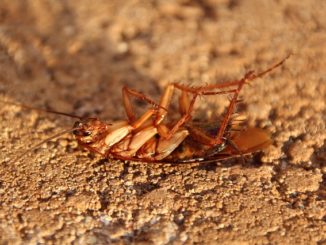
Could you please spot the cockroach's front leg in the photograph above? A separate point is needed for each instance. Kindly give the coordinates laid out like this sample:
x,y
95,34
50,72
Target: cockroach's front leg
x,y
126,93
164,103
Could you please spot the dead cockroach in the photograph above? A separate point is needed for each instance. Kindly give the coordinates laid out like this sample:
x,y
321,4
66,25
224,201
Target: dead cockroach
x,y
150,138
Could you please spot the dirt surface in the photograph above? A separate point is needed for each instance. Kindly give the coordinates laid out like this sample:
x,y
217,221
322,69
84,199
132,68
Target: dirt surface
x,y
75,56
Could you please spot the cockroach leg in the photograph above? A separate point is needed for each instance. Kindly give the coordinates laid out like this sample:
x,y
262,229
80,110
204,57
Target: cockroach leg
x,y
185,118
164,103
261,74
187,115
126,93
166,146
185,106
184,102
205,91
118,134
138,140
249,76
201,89
147,115
230,110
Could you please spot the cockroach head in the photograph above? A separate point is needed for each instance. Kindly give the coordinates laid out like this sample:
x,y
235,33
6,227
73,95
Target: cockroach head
x,y
89,130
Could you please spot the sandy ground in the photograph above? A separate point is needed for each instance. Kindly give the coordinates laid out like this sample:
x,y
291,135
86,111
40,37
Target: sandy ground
x,y
75,56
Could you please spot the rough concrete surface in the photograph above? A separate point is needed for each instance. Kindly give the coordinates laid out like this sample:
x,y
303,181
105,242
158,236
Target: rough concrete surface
x,y
75,56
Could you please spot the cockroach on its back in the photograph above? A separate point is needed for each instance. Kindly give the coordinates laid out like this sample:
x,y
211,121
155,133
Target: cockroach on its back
x,y
150,139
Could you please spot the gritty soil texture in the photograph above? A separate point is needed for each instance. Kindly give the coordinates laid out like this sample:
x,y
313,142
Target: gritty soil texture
x,y
75,56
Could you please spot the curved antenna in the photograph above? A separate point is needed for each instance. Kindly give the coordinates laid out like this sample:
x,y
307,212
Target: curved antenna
x,y
41,143
41,110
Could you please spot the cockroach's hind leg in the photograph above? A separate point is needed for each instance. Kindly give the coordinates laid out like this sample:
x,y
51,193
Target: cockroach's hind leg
x,y
229,112
186,106
206,88
249,76
40,110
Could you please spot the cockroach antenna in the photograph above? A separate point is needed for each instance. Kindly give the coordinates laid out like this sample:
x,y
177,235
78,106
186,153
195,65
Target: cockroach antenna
x,y
48,139
40,110
55,136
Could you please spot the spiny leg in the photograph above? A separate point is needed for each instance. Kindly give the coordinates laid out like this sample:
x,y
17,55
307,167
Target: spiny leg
x,y
202,89
209,87
165,103
261,74
185,106
126,93
230,110
201,137
185,118
249,76
187,115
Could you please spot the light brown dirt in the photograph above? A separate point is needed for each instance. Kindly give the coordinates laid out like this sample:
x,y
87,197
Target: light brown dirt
x,y
75,56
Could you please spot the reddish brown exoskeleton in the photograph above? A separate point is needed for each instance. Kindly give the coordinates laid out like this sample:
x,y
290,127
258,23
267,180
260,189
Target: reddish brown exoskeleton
x,y
150,138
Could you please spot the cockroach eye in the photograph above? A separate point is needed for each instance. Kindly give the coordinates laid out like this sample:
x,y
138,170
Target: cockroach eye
x,y
77,131
77,124
87,133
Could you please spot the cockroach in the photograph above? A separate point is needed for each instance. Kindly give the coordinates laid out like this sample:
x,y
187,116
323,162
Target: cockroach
x,y
150,138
